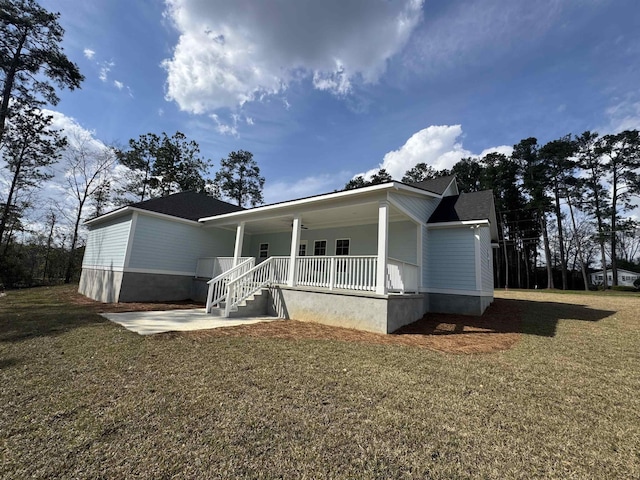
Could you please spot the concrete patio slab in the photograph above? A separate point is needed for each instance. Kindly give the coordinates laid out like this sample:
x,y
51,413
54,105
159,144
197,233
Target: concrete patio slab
x,y
147,323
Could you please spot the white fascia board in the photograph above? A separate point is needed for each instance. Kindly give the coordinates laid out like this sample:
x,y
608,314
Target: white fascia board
x,y
460,223
142,211
108,216
328,197
165,216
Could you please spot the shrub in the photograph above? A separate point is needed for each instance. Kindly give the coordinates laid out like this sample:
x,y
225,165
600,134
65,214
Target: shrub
x,y
623,288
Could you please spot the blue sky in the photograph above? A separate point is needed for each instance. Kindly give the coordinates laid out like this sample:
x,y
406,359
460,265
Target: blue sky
x,y
320,91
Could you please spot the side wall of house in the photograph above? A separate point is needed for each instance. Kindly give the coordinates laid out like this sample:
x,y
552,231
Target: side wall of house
x,y
104,258
164,255
165,246
456,281
451,259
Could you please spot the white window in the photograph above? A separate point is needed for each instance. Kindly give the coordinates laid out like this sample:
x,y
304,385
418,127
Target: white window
x,y
263,251
320,247
302,248
342,246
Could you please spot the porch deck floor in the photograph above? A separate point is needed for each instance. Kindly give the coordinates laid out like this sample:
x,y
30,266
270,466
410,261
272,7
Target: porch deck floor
x,y
148,323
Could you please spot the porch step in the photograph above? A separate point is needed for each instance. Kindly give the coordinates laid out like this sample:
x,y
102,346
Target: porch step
x,y
254,306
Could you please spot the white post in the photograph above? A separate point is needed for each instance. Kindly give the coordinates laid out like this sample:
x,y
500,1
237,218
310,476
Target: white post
x,y
478,256
295,245
332,273
237,252
420,243
383,247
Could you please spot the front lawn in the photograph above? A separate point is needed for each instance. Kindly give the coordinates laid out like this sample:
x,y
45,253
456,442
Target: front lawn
x,y
84,398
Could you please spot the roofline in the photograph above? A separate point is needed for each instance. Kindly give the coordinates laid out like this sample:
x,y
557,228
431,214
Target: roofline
x,y
324,196
151,213
458,223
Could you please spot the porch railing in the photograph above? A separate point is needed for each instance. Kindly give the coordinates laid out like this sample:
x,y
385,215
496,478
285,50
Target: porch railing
x,y
342,272
218,286
245,285
402,276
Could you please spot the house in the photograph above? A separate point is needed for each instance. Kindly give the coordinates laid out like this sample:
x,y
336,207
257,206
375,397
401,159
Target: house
x,y
373,258
625,277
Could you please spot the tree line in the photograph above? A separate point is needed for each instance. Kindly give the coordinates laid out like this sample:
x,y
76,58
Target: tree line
x,y
40,238
568,198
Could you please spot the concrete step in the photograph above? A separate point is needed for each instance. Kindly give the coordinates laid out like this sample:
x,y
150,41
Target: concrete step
x,y
254,306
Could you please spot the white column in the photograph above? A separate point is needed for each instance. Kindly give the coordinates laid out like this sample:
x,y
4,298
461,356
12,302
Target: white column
x,y
420,246
383,247
295,245
237,251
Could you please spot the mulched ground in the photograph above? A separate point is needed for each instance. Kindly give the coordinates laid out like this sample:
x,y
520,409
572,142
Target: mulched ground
x,y
498,329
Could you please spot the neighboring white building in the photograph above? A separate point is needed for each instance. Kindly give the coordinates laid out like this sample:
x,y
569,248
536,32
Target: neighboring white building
x,y
625,277
374,258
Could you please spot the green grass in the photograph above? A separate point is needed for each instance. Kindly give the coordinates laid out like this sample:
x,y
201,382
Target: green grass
x,y
84,398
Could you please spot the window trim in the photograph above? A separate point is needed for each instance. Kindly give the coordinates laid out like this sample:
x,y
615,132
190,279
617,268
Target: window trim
x,y
260,250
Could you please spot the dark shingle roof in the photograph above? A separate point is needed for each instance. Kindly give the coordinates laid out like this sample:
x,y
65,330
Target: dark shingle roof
x,y
463,207
435,185
188,205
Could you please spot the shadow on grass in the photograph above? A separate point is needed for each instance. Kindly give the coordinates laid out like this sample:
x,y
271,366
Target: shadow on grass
x,y
506,316
43,320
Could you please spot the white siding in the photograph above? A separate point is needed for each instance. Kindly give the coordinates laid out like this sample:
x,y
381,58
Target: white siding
x,y
107,243
162,244
363,240
419,207
452,189
451,259
486,259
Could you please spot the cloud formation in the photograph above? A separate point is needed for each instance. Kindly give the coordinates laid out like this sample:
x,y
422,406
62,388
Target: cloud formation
x,y
438,146
88,53
229,53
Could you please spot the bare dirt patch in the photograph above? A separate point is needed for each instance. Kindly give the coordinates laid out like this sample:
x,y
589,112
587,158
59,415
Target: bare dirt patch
x,y
498,329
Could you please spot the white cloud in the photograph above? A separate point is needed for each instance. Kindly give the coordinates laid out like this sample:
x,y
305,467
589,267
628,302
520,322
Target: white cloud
x,y
105,68
229,53
225,128
88,53
438,146
624,115
119,85
312,185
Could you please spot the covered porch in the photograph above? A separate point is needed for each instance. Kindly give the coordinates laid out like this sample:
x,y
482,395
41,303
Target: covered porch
x,y
364,247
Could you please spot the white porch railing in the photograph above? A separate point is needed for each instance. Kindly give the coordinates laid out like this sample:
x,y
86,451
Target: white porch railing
x,y
332,272
245,285
402,276
210,267
342,272
218,286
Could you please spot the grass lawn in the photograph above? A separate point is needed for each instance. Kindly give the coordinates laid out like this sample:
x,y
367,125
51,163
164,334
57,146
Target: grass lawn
x,y
81,397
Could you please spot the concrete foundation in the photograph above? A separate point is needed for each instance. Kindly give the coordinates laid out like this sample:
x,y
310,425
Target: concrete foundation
x,y
150,287
100,285
362,311
461,304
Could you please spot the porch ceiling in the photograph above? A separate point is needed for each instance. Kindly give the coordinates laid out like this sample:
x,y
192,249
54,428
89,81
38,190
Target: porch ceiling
x,y
312,219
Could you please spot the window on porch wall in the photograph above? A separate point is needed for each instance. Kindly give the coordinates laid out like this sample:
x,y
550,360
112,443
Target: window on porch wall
x,y
263,250
320,247
342,246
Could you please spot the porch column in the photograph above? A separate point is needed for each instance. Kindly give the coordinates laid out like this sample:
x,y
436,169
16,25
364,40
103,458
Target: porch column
x,y
420,245
237,251
295,245
383,247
